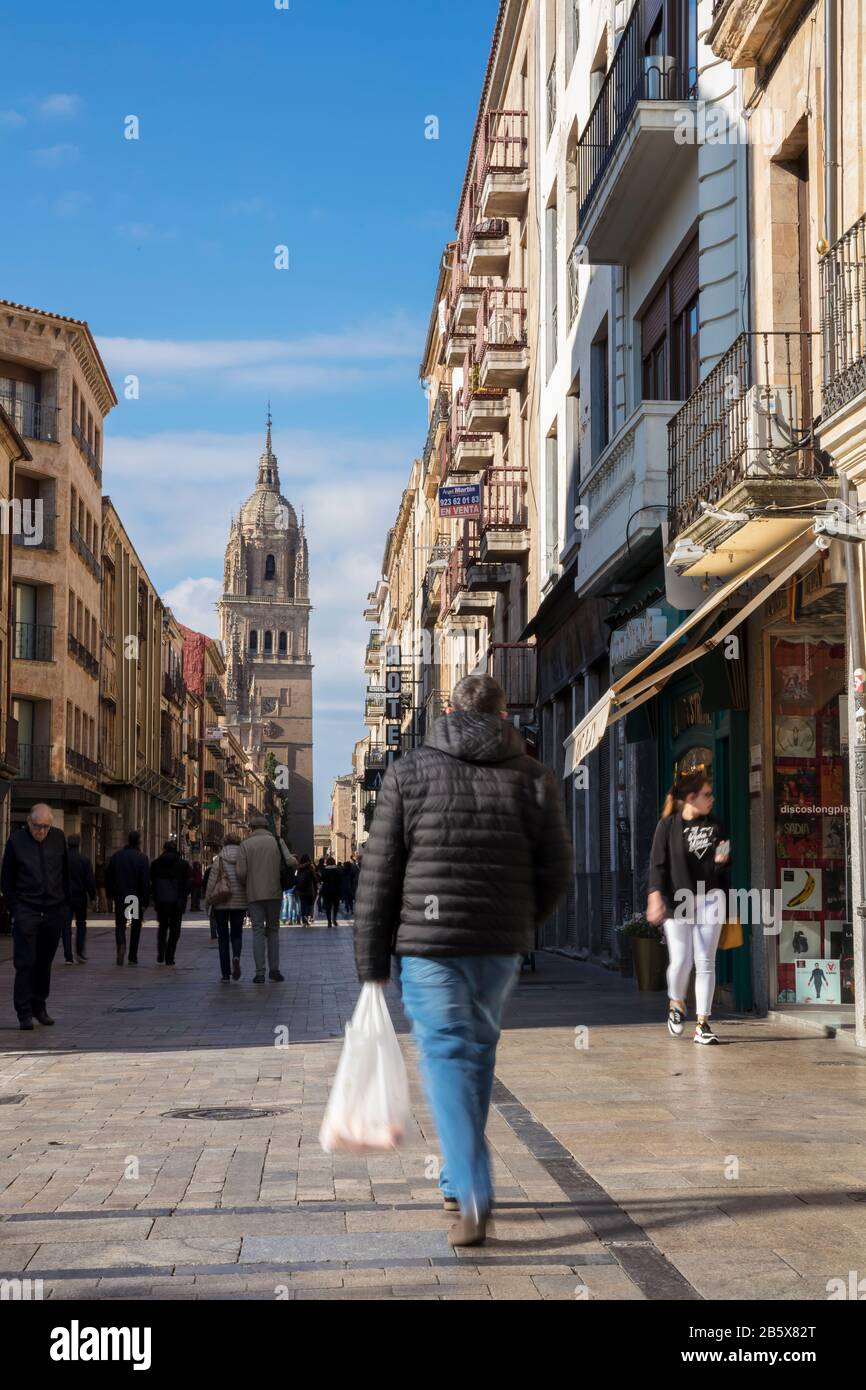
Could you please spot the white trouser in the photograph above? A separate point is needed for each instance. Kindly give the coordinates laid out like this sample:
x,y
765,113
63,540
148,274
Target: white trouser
x,y
695,943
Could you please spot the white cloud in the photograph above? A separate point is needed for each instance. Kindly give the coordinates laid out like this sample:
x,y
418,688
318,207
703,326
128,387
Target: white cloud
x,y
52,155
71,203
192,602
10,120
59,104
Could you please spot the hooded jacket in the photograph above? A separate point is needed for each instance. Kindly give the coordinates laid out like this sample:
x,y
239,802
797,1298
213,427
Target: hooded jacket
x,y
468,851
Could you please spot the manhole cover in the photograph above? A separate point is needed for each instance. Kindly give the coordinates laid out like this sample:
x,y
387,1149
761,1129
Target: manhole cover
x,y
132,1009
227,1112
11,1100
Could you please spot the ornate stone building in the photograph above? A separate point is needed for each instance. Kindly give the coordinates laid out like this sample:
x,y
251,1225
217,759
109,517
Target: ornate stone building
x,y
264,621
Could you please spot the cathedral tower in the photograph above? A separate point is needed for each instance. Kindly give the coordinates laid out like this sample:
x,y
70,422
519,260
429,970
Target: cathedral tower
x,y
264,625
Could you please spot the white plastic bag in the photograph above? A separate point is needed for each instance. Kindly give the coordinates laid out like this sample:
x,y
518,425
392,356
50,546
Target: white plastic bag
x,y
368,1108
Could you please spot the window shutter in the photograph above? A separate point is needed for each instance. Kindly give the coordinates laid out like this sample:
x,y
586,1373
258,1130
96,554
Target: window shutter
x,y
654,322
684,278
651,14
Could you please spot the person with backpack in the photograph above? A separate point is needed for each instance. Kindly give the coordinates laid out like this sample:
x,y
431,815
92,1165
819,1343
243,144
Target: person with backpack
x,y
169,885
226,898
265,867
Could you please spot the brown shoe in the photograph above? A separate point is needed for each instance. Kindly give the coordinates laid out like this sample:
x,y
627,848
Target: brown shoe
x,y
469,1230
450,1203
236,969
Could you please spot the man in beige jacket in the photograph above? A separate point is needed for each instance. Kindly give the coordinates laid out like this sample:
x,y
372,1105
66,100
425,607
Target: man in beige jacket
x,y
258,868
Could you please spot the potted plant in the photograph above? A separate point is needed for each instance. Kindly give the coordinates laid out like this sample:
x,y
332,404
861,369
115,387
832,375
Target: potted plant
x,y
648,951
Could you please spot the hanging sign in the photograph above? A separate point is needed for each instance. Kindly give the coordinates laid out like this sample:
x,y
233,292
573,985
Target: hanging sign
x,y
460,499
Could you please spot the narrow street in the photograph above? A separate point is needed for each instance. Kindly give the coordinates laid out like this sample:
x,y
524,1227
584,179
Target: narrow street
x,y
629,1166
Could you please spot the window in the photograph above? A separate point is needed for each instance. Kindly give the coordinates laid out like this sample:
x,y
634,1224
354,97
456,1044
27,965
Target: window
x,y
551,276
600,392
574,29
270,567
670,346
269,643
254,641
572,457
551,503
283,641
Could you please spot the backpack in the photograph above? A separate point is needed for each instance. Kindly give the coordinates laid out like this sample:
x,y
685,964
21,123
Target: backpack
x,y
222,890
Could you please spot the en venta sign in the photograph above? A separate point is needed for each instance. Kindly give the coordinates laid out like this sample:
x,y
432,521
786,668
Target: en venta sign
x,y
460,499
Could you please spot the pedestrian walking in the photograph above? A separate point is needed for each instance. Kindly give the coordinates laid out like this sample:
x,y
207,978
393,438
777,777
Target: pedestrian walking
x,y
127,883
204,883
351,885
688,891
34,880
468,854
169,884
261,857
82,888
332,889
226,900
195,886
306,887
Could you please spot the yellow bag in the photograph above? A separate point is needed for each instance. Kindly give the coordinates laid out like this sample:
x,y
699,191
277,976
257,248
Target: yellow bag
x,y
732,935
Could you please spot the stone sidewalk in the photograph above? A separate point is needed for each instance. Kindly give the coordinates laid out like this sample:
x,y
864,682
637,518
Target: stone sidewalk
x,y
629,1165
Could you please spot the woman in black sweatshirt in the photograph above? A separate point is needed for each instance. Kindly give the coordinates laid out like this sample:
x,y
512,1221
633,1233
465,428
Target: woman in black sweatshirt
x,y
688,889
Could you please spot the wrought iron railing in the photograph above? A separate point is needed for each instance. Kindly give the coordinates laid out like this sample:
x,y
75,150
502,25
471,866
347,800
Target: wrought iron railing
x,y
80,762
85,552
633,76
463,554
214,691
501,319
752,415
31,418
173,686
82,655
503,145
513,665
441,413
33,642
503,500
843,319
87,450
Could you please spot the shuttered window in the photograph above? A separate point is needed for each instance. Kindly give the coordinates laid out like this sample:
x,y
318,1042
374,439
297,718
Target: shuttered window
x,y
684,279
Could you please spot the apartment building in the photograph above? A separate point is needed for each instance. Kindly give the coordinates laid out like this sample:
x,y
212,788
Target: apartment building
x,y
342,817
55,390
13,450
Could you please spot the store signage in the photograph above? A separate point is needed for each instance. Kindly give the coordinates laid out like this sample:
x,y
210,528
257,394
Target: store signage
x,y
460,499
638,637
214,735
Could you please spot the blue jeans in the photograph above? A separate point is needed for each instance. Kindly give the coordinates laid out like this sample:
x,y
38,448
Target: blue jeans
x,y
455,1004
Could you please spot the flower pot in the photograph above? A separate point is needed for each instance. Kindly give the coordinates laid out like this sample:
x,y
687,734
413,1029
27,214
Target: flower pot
x,y
650,962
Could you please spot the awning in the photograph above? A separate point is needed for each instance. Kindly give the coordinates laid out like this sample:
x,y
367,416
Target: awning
x,y
629,692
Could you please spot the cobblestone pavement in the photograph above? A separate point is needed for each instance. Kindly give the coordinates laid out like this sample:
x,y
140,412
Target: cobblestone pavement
x,y
629,1165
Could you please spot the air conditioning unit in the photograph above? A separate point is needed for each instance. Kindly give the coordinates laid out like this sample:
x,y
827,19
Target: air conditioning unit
x,y
762,429
660,82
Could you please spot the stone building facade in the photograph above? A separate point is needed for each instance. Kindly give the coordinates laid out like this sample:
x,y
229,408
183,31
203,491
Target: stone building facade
x,y
264,625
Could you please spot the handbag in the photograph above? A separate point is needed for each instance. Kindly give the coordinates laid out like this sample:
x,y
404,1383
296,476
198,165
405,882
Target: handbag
x,y
222,890
732,935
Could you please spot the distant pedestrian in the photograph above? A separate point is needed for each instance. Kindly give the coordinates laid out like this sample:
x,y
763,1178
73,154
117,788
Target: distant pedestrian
x,y
127,883
195,886
688,889
259,862
468,854
228,912
306,887
82,888
332,888
34,880
350,886
169,884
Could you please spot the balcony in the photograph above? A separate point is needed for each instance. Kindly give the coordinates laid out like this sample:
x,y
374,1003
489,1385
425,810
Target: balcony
x,y
504,524
173,687
374,706
513,665
743,473
79,762
40,532
85,658
465,593
503,164
843,344
87,450
625,493
458,344
36,762
31,418
212,831
33,642
749,33
489,248
501,349
471,451
431,596
85,552
375,650
631,153
216,696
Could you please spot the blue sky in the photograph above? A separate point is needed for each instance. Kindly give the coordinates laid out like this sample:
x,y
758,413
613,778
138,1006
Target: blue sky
x,y
258,127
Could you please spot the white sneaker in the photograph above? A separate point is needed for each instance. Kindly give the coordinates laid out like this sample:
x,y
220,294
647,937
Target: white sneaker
x,y
676,1021
704,1034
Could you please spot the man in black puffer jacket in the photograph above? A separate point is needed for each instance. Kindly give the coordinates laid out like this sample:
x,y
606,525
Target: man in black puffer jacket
x,y
468,853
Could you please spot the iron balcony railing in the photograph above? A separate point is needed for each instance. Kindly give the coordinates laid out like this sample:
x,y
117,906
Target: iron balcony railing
x,y
513,665
843,319
33,642
633,76
751,416
573,281
173,687
216,695
503,500
375,757
501,320
40,533
31,418
503,144
83,656
87,450
441,413
79,762
463,554
35,762
85,552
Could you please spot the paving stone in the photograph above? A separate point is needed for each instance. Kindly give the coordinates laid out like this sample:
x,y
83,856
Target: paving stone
x,y
370,1245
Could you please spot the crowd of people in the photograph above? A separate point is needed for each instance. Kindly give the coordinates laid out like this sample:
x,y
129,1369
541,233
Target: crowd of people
x,y
49,887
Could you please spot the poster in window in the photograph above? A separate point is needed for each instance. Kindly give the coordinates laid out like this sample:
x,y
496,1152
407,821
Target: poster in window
x,y
798,837
801,889
832,783
799,939
795,735
833,837
795,786
818,981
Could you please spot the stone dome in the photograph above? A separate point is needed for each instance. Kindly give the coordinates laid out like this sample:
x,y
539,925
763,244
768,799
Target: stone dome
x,y
259,513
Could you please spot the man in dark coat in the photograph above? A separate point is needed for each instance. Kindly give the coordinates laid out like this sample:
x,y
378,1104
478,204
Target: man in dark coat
x,y
34,881
468,854
127,882
169,884
82,889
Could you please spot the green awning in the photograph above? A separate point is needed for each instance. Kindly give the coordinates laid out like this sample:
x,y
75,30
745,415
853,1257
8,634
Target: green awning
x,y
641,595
